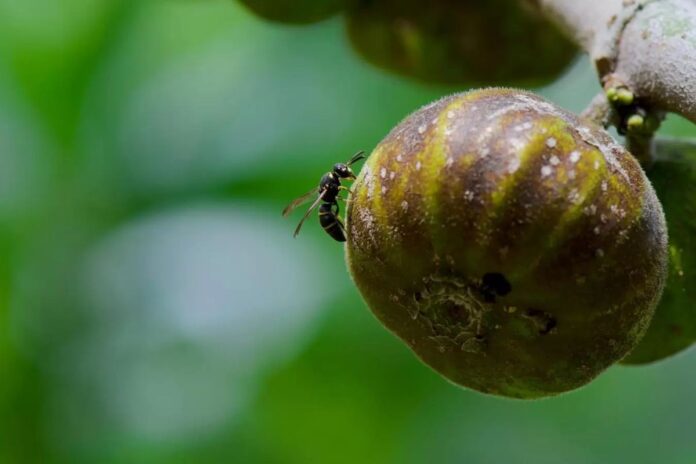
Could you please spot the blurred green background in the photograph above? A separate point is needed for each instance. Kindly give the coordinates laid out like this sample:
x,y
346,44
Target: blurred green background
x,y
154,307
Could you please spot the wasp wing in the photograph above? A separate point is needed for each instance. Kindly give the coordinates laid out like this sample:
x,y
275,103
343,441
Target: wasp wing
x,y
356,157
300,201
309,211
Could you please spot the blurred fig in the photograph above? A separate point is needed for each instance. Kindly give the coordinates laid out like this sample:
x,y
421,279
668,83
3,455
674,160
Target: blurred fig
x,y
673,329
295,11
515,248
460,41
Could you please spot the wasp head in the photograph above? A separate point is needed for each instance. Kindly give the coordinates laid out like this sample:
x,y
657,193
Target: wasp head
x,y
343,171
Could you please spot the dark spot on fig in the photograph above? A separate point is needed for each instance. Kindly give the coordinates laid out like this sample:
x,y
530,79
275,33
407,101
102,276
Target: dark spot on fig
x,y
543,321
550,325
418,296
494,284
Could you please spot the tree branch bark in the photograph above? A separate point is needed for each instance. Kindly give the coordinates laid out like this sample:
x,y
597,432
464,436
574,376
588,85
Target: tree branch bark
x,y
649,45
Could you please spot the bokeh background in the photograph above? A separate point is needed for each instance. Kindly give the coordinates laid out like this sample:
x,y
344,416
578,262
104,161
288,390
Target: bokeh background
x,y
154,307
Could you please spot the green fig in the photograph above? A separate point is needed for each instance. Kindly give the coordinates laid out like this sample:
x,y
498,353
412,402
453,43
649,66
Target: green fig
x,y
295,11
517,249
460,41
673,329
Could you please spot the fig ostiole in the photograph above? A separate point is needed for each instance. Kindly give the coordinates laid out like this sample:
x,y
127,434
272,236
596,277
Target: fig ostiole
x,y
517,249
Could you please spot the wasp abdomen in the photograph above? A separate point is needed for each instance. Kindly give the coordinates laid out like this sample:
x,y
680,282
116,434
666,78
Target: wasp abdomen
x,y
328,218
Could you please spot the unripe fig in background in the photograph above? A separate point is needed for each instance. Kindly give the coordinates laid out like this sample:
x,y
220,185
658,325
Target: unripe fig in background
x,y
295,11
515,248
460,41
673,175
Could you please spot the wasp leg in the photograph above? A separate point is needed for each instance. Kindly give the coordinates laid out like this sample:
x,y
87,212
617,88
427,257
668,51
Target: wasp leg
x,y
350,194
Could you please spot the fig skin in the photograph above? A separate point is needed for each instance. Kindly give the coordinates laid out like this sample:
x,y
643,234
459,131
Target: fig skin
x,y
516,249
295,11
459,42
673,329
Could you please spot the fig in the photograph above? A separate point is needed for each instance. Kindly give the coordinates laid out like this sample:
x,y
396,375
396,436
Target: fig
x,y
673,328
517,249
295,11
459,42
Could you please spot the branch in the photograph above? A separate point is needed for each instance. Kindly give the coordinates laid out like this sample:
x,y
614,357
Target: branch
x,y
599,111
649,45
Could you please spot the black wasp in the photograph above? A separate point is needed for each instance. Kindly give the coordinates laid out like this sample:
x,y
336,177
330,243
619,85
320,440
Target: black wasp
x,y
327,191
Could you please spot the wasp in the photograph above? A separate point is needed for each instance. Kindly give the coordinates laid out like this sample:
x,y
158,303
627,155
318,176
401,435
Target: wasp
x,y
327,199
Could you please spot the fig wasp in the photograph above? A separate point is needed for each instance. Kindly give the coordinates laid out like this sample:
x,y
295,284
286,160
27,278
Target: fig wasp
x,y
327,199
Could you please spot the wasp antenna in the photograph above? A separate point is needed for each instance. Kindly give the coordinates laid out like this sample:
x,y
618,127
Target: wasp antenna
x,y
356,157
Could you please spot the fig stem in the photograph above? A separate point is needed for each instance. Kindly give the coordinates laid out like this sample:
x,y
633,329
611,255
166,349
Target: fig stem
x,y
616,107
599,110
642,147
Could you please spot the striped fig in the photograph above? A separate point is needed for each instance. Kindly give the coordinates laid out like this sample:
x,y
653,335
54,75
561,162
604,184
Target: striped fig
x,y
514,247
